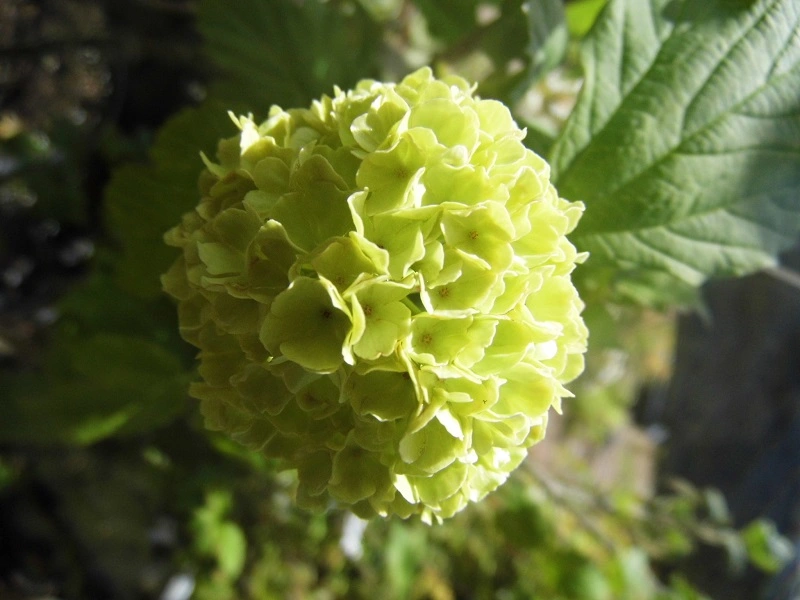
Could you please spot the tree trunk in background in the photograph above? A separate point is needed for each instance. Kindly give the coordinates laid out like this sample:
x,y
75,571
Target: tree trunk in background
x,y
732,411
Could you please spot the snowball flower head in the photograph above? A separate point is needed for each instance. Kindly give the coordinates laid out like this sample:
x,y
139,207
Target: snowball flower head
x,y
379,286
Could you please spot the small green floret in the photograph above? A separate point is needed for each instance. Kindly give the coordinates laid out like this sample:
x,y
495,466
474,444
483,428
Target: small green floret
x,y
380,290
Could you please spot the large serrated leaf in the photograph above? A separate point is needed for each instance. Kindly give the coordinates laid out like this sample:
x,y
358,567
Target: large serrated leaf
x,y
144,201
114,365
685,142
266,52
284,52
109,384
581,15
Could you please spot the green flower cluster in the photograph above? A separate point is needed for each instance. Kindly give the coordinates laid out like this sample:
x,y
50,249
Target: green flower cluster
x,y
380,290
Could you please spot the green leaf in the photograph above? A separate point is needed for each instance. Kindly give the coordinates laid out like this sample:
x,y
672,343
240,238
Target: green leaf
x,y
451,20
110,384
657,289
115,365
266,52
383,10
767,549
547,29
231,549
685,142
218,537
144,201
581,15
403,552
537,138
680,589
284,52
528,40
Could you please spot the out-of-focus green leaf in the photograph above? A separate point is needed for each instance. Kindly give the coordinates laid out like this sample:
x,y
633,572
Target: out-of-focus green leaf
x,y
717,506
631,575
680,589
266,52
115,365
450,20
588,582
231,549
581,15
657,289
108,385
284,52
547,29
735,549
7,475
685,142
523,525
218,537
537,138
527,41
144,201
404,552
382,10
766,548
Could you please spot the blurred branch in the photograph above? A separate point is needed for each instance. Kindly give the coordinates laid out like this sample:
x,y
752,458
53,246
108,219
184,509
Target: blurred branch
x,y
574,501
785,275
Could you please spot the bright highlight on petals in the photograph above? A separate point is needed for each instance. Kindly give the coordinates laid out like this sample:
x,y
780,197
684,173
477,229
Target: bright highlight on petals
x,y
380,290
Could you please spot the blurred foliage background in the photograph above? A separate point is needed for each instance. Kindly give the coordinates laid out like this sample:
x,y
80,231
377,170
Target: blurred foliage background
x,y
673,474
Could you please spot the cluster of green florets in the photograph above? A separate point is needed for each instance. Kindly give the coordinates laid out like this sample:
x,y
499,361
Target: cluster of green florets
x,y
380,290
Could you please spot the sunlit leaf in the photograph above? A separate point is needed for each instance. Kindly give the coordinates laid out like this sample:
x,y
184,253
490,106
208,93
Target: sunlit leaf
x,y
685,143
581,15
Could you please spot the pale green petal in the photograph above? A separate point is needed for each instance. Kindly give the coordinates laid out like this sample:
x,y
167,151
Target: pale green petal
x,y
357,475
437,340
386,318
452,125
402,238
375,435
392,175
265,391
343,259
495,118
483,231
386,395
472,291
312,216
430,449
464,184
319,399
306,327
444,484
466,398
528,390
314,472
220,259
371,129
